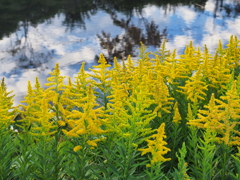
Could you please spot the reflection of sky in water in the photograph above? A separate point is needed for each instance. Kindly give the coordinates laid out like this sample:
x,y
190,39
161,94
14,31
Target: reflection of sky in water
x,y
184,24
70,48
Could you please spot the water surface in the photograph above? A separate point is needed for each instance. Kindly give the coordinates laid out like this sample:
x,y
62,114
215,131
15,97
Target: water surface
x,y
35,36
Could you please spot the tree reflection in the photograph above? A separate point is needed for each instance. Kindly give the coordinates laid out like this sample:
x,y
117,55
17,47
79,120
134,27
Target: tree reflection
x,y
77,11
124,44
232,11
23,52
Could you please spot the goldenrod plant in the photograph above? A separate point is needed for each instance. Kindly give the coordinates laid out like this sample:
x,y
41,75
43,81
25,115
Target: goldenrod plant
x,y
162,116
181,172
157,147
7,140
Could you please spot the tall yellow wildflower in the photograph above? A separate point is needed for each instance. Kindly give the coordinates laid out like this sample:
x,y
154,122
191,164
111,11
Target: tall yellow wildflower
x,y
220,72
43,124
190,60
54,93
157,146
36,112
210,117
87,120
177,117
6,108
55,81
160,94
74,93
129,113
195,87
222,116
101,73
30,105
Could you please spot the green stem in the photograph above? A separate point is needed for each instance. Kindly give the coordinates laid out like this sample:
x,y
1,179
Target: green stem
x,y
224,161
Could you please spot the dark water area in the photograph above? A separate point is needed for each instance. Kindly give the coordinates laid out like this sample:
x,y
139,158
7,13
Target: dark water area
x,y
35,35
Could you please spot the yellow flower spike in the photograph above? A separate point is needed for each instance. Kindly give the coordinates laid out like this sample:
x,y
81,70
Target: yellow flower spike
x,y
161,97
92,143
195,87
128,114
231,115
38,115
33,102
37,84
82,76
82,70
77,148
220,47
82,80
157,146
222,117
69,82
190,113
103,73
30,90
148,165
177,117
87,121
81,131
6,102
209,115
124,67
44,125
55,80
146,150
39,92
220,72
190,60
102,76
61,123
116,65
130,64
233,105
233,42
79,88
74,94
162,53
71,134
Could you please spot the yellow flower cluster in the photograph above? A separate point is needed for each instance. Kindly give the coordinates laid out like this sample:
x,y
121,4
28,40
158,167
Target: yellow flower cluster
x,y
157,146
177,116
36,114
6,109
129,97
222,116
195,87
86,121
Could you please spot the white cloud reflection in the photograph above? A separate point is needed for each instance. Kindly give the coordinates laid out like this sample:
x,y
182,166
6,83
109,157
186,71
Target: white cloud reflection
x,y
210,5
187,14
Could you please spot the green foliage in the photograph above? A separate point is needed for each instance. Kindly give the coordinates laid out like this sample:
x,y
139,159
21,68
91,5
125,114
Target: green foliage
x,y
181,172
7,154
148,120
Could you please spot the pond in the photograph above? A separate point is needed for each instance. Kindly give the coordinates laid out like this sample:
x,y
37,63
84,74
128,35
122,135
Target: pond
x,y
35,35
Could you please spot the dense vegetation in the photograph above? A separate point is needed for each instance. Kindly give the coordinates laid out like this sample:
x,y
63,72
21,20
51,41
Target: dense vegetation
x,y
164,117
